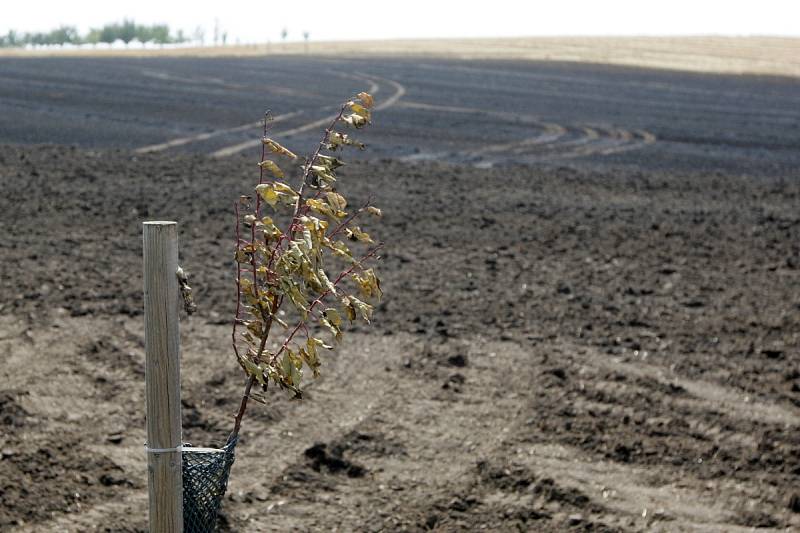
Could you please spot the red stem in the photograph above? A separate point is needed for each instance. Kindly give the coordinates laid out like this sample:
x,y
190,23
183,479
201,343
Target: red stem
x,y
239,241
238,284
346,221
321,297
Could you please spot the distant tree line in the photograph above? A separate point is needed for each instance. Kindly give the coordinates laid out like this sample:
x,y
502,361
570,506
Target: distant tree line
x,y
125,31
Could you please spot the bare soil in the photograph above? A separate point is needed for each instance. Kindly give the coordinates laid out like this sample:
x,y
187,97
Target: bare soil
x,y
558,349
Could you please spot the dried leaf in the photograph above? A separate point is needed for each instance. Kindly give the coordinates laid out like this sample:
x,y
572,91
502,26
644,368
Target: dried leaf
x,y
323,173
330,162
349,310
340,249
357,121
336,201
318,206
276,192
333,328
277,148
366,99
268,194
364,308
337,139
332,314
369,284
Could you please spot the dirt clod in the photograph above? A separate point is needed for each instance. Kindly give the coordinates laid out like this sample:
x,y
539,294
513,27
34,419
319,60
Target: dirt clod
x,y
331,459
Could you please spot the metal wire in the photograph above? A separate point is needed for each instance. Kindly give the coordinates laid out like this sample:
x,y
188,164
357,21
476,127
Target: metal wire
x,y
205,479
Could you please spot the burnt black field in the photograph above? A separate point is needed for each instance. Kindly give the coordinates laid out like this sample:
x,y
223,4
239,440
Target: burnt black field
x,y
478,112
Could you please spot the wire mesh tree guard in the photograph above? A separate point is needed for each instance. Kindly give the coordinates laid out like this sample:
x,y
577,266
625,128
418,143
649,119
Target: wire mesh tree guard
x,y
205,479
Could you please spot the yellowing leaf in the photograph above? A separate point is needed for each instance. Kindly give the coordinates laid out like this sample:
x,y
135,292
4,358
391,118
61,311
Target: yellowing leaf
x,y
272,167
309,354
339,249
268,194
337,202
242,256
275,192
334,329
323,173
320,207
296,296
285,189
277,148
368,284
333,316
321,343
360,110
269,228
337,139
291,374
257,371
330,162
325,282
375,211
311,360
308,242
355,234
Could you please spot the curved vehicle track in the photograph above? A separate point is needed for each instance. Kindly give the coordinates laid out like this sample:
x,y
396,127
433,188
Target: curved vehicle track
x,y
551,141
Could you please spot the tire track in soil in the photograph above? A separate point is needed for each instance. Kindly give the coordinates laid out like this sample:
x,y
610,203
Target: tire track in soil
x,y
646,99
555,142
614,418
444,483
181,141
559,481
286,134
703,395
234,149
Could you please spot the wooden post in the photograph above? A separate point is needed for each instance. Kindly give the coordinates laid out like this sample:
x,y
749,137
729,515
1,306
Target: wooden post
x,y
163,376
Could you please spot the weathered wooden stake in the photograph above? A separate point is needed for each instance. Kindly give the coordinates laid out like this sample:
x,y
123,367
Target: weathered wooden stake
x,y
163,376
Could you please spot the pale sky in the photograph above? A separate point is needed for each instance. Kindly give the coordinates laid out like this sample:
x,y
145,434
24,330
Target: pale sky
x,y
262,20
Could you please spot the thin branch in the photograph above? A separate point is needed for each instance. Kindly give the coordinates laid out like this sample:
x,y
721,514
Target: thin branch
x,y
321,297
348,220
238,283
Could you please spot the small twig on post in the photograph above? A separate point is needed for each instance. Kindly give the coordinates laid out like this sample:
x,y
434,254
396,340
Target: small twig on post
x,y
186,292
